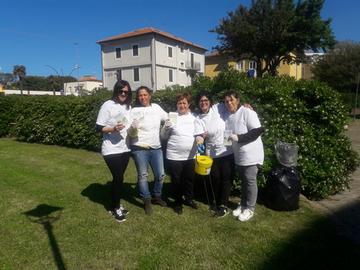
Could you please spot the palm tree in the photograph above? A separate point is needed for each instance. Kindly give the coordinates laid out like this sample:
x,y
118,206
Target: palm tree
x,y
19,72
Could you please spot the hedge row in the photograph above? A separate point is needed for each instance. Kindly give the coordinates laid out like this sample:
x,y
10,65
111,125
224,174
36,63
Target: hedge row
x,y
60,120
305,112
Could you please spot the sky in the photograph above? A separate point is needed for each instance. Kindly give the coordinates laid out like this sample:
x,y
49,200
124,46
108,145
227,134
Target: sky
x,y
52,37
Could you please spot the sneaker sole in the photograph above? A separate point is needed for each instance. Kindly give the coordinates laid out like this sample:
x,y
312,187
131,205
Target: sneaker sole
x,y
217,216
120,221
117,220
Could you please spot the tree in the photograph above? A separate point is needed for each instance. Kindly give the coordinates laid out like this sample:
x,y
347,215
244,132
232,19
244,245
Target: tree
x,y
19,72
39,83
274,31
6,78
340,67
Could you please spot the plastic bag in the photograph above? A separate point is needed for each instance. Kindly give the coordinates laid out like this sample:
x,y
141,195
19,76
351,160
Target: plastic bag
x,y
287,153
283,189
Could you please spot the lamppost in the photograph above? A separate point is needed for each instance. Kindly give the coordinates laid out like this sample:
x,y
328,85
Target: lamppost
x,y
77,66
57,73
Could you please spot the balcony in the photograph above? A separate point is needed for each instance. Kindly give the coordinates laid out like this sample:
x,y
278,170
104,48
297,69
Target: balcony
x,y
192,66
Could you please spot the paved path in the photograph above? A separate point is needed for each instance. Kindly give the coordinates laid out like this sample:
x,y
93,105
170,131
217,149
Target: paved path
x,y
344,208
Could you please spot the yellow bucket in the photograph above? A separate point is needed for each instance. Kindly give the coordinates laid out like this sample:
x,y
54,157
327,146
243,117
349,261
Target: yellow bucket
x,y
203,165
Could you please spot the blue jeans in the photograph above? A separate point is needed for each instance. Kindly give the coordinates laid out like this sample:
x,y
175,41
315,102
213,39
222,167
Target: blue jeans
x,y
142,159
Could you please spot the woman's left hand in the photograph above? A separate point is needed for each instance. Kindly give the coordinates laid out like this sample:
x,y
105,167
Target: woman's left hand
x,y
247,105
119,127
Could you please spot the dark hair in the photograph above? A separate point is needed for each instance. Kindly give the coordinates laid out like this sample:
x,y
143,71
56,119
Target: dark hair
x,y
147,89
231,93
182,96
119,85
204,94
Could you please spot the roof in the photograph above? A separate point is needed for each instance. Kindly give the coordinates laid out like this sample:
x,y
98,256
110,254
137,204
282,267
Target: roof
x,y
149,30
89,79
213,53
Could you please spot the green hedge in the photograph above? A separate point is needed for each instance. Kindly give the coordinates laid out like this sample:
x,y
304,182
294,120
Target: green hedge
x,y
61,120
308,113
305,112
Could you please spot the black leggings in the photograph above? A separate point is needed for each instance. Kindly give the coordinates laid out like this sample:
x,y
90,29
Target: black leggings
x,y
117,164
222,175
182,178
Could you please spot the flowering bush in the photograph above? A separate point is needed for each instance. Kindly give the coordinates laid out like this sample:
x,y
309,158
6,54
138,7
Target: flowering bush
x,y
307,113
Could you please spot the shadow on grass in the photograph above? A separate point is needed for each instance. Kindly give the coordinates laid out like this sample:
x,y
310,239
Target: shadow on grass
x,y
322,246
46,215
204,191
101,193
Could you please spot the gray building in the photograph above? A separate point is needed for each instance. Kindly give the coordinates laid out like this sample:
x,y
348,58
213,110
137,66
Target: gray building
x,y
150,57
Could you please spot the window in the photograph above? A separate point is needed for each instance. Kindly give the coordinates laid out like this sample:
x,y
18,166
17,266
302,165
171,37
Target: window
x,y
135,50
171,79
239,65
182,49
119,74
252,65
192,60
136,75
118,52
170,52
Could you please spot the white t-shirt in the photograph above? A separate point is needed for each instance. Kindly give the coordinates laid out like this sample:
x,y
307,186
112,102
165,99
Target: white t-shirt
x,y
150,119
110,113
181,143
214,124
242,121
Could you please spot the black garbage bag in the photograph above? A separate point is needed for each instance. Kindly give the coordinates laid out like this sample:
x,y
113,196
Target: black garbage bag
x,y
282,190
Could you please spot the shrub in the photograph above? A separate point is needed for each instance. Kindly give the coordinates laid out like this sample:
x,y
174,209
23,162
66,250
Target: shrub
x,y
308,113
61,120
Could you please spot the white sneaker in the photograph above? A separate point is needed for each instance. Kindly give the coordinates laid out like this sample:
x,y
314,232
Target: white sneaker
x,y
118,215
123,210
246,215
237,211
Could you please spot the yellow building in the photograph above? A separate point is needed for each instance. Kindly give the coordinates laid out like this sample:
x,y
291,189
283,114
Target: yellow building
x,y
215,62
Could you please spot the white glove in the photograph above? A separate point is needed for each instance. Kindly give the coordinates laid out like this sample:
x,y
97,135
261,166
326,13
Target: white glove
x,y
135,124
199,140
168,124
234,137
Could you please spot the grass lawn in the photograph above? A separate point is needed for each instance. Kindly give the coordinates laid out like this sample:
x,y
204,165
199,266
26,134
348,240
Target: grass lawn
x,y
53,216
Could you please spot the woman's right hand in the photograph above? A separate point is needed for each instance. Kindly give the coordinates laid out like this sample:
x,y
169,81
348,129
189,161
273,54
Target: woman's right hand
x,y
135,124
168,124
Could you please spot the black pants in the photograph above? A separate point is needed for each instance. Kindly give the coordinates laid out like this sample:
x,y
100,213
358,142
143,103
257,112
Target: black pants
x,y
182,175
117,164
222,175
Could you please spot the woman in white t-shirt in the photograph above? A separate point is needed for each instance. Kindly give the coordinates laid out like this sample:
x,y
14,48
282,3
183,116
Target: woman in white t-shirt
x,y
113,121
146,147
213,118
248,151
180,132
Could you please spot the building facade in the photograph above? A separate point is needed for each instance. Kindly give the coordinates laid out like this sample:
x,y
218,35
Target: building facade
x,y
150,57
215,62
84,85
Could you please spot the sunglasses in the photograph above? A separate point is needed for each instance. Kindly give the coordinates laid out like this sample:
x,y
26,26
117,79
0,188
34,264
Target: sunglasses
x,y
122,92
204,100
